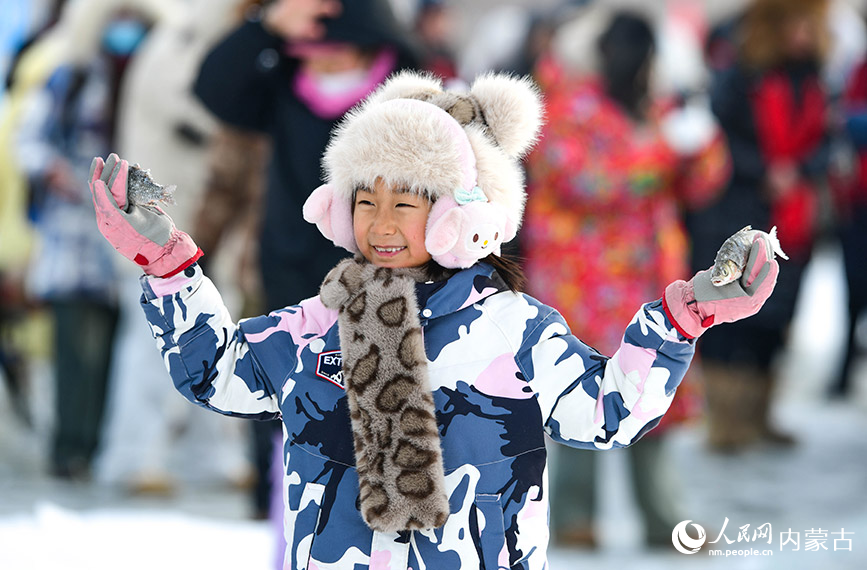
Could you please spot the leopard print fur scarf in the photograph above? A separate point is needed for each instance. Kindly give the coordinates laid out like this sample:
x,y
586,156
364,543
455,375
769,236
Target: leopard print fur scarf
x,y
397,444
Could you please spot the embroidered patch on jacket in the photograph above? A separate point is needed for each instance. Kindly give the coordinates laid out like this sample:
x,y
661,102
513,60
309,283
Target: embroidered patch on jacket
x,y
330,367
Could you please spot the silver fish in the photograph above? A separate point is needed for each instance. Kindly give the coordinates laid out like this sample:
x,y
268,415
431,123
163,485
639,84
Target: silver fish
x,y
144,191
731,259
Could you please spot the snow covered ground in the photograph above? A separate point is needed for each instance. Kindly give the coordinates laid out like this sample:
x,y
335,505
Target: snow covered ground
x,y
819,485
53,537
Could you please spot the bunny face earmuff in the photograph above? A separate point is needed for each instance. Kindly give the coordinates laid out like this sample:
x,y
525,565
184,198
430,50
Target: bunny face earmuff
x,y
476,187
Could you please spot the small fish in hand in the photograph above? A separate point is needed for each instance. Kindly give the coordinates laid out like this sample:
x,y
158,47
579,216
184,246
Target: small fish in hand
x,y
731,259
142,190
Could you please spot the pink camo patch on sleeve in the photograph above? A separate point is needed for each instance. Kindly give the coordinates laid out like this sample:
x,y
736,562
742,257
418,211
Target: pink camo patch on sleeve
x,y
312,321
170,285
636,359
640,360
282,325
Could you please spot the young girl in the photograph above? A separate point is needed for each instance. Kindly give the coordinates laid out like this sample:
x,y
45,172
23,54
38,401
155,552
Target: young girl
x,y
416,389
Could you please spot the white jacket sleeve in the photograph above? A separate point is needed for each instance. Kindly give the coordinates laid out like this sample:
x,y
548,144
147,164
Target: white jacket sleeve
x,y
592,401
204,350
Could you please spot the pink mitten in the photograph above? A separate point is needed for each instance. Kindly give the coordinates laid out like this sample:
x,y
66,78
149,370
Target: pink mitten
x,y
695,306
143,234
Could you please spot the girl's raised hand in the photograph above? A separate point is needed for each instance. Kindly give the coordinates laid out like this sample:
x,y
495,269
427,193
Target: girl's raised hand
x,y
143,234
694,306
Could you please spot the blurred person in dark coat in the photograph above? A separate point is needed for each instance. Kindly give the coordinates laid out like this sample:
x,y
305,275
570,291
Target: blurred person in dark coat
x,y
280,75
851,202
769,98
434,28
294,84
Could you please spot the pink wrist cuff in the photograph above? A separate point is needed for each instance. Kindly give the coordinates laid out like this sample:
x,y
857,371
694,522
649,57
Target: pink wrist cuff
x,y
673,321
678,302
162,287
199,253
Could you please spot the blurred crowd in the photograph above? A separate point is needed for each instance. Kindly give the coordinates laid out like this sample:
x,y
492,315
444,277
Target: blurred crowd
x,y
670,125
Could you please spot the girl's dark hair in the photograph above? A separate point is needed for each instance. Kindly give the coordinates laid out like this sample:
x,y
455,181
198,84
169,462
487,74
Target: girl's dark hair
x,y
507,267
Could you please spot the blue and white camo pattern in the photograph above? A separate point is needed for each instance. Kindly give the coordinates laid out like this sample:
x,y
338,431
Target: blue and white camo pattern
x,y
504,369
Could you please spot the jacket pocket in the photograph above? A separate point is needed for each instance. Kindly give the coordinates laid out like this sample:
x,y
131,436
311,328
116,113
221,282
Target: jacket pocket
x,y
302,522
491,532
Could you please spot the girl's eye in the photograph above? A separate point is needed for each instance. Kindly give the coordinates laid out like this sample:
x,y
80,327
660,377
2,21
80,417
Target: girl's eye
x,y
405,205
364,203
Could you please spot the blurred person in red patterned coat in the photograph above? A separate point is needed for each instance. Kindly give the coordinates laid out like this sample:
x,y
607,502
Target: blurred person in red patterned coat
x,y
603,228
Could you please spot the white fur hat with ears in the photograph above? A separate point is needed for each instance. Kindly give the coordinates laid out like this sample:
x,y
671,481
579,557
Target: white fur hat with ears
x,y
461,150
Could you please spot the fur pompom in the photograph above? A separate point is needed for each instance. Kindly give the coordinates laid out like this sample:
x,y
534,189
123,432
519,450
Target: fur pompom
x,y
513,110
406,85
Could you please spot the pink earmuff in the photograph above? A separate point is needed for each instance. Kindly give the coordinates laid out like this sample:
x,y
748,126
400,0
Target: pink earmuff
x,y
332,215
459,235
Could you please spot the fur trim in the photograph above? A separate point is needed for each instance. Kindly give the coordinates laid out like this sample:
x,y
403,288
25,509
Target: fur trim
x,y
405,85
399,144
439,144
397,445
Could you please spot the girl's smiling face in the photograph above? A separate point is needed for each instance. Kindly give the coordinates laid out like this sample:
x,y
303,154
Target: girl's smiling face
x,y
389,225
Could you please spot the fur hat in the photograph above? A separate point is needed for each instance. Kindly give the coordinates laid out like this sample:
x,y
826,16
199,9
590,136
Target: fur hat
x,y
461,150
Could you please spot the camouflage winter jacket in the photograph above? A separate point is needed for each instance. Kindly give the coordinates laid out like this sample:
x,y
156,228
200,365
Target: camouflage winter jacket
x,y
504,370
